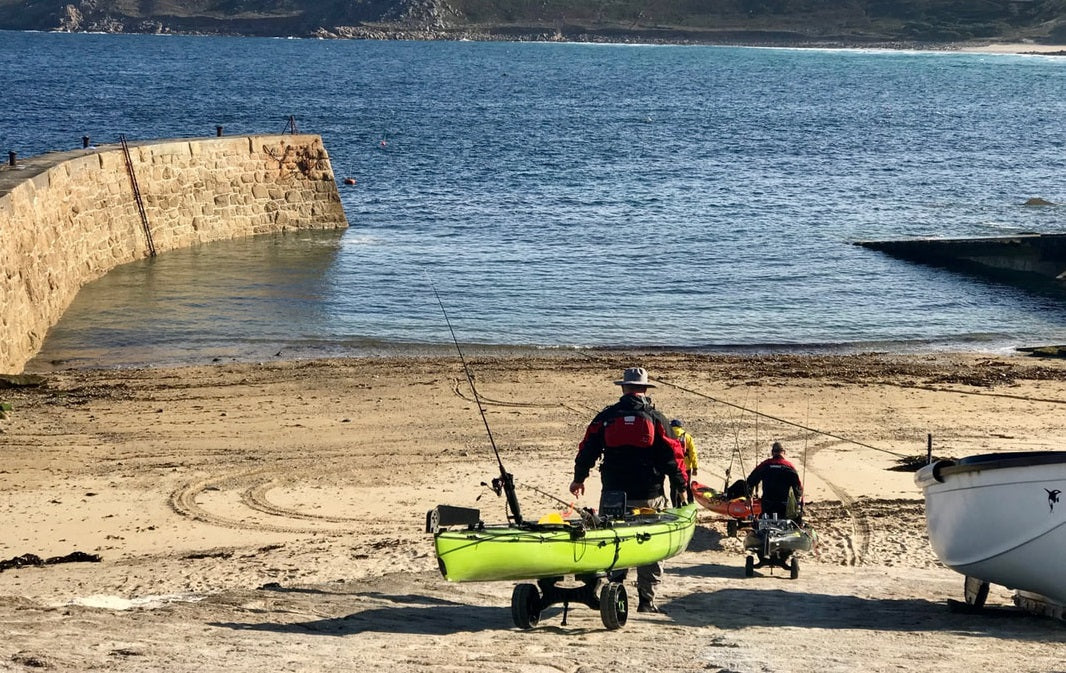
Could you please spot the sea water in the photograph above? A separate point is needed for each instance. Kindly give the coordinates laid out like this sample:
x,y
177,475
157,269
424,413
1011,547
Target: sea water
x,y
568,195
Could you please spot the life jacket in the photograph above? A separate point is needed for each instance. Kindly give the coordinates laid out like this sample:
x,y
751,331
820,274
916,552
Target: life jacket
x,y
631,432
633,428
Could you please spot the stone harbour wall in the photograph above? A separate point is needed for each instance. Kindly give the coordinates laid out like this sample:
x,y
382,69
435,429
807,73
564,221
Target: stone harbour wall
x,y
67,218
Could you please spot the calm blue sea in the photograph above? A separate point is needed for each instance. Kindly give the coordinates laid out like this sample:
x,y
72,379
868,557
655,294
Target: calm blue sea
x,y
568,195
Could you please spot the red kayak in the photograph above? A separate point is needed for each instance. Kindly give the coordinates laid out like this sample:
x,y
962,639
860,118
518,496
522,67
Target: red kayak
x,y
717,501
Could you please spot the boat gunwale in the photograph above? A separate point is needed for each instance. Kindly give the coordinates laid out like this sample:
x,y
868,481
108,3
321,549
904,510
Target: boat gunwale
x,y
663,523
997,461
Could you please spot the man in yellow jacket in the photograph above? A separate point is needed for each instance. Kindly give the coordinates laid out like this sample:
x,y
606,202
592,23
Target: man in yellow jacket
x,y
692,460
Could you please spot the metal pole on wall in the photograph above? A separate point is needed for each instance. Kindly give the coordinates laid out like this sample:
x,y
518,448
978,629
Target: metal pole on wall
x,y
84,142
218,131
137,195
11,156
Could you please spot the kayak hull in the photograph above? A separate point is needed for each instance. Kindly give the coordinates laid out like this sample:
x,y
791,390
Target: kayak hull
x,y
720,503
778,537
494,553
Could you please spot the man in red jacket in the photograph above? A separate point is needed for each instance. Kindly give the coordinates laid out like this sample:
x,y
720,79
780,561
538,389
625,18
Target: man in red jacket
x,y
638,450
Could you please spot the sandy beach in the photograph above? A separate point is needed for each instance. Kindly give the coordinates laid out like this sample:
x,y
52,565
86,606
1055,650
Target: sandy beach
x,y
1013,48
271,516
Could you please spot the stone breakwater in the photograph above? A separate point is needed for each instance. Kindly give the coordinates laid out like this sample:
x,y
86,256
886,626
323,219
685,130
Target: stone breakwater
x,y
67,218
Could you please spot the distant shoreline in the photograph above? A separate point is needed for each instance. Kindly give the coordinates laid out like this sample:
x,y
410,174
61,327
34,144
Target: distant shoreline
x,y
753,39
48,362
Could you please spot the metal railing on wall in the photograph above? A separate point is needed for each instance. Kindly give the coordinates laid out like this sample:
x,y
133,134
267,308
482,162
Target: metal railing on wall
x,y
137,195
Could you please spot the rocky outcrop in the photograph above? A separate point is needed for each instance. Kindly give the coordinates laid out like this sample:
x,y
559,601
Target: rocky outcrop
x,y
72,19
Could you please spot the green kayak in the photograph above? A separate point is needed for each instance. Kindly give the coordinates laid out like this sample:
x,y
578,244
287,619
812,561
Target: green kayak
x,y
479,553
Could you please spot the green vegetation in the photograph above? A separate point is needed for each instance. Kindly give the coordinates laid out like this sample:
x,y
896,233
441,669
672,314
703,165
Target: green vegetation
x,y
714,21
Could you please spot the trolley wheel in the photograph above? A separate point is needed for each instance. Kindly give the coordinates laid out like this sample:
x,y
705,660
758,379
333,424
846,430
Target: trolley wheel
x,y
614,605
976,591
794,568
731,528
525,606
749,566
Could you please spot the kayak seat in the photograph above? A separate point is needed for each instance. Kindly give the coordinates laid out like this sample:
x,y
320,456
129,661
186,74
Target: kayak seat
x,y
738,489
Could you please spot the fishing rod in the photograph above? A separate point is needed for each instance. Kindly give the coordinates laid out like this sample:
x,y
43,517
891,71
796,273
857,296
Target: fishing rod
x,y
779,420
803,479
506,480
548,495
586,515
736,455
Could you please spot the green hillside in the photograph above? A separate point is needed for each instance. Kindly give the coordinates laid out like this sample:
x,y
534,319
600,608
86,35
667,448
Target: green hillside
x,y
711,21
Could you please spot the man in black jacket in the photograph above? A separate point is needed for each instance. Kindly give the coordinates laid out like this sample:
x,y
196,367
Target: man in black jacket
x,y
638,450
778,476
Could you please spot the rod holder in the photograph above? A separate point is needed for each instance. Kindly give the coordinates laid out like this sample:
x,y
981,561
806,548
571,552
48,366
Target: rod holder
x,y
218,131
11,157
84,142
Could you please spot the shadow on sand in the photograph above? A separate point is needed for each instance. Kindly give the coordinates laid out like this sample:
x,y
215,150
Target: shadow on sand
x,y
408,613
705,539
741,608
724,609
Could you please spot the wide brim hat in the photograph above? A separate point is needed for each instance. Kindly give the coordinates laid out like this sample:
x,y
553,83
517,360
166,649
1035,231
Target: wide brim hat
x,y
635,376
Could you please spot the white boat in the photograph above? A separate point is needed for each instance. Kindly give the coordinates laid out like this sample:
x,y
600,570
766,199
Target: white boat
x,y
998,518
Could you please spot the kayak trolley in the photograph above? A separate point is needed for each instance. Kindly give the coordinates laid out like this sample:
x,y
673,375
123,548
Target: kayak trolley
x,y
529,600
775,542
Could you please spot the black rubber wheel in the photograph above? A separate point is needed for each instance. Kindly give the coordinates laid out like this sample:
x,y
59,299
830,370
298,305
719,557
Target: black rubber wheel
x,y
749,566
614,605
731,528
525,606
976,592
794,568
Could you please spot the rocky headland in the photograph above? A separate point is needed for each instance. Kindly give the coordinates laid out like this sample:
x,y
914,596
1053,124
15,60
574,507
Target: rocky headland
x,y
871,23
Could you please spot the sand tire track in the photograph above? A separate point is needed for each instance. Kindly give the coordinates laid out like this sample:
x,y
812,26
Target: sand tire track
x,y
858,542
183,501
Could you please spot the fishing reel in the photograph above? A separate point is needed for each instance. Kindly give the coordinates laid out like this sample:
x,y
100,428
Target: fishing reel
x,y
497,486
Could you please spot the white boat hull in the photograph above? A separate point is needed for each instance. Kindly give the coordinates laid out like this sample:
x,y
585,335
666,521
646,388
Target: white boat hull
x,y
1000,518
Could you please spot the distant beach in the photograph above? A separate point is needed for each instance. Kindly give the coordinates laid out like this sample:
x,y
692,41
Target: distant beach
x,y
1012,48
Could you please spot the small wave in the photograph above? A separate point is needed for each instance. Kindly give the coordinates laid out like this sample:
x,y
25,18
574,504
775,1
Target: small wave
x,y
353,241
